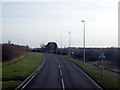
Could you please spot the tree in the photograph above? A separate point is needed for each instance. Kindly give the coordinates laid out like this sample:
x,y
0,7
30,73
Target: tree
x,y
51,47
42,45
9,42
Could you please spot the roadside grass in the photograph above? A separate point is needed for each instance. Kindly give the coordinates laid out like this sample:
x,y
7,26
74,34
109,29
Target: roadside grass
x,y
107,81
10,85
14,74
113,70
6,63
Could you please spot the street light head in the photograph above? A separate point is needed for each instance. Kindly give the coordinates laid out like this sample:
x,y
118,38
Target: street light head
x,y
82,21
69,32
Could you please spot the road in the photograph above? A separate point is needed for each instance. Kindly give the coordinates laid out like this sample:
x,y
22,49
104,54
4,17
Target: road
x,y
58,72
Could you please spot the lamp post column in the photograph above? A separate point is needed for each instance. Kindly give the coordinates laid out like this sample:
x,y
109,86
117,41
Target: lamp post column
x,y
84,42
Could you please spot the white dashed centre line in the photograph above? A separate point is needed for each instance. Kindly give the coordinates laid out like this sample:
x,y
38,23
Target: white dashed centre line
x,y
60,72
63,86
59,66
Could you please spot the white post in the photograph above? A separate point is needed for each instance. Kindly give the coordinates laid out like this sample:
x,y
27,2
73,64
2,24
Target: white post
x,y
69,43
61,45
102,65
84,42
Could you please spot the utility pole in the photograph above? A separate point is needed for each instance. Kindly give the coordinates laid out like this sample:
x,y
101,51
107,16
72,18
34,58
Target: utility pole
x,y
83,42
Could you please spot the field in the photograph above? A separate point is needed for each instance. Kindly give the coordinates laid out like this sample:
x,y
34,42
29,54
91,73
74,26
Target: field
x,y
107,81
15,73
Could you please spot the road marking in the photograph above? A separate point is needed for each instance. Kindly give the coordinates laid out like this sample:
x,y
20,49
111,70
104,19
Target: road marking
x,y
60,72
63,86
56,60
27,82
34,73
87,76
92,80
59,66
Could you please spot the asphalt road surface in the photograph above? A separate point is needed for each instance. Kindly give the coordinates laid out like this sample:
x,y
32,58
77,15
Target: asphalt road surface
x,y
58,72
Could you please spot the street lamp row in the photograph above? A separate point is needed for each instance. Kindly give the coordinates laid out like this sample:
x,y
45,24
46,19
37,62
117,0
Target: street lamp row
x,y
70,42
83,42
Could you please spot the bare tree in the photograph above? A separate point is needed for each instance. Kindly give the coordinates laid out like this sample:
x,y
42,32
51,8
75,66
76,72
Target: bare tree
x,y
42,45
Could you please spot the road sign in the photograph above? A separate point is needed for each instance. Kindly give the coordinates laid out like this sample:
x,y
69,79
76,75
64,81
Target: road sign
x,y
102,55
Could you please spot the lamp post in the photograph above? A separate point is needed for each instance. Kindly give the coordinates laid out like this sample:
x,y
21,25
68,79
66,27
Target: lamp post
x,y
61,45
69,43
84,42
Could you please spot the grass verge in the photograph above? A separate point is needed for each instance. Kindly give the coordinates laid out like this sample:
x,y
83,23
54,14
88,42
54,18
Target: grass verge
x,y
105,68
6,63
107,81
14,74
10,85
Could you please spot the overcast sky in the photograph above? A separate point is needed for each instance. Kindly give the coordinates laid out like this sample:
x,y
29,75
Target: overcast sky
x,y
33,23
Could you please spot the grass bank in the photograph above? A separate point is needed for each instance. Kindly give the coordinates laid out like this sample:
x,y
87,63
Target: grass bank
x,y
16,73
107,81
13,61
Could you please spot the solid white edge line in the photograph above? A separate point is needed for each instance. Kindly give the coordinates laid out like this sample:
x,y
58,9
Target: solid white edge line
x,y
43,63
87,76
92,80
34,75
63,86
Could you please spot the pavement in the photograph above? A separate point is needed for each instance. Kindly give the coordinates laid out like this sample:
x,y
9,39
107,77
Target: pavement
x,y
58,72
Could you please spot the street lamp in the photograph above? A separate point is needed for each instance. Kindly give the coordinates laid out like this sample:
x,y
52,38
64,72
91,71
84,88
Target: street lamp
x,y
61,45
84,42
69,43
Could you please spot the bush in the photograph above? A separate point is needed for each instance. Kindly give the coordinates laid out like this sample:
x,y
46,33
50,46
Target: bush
x,y
10,51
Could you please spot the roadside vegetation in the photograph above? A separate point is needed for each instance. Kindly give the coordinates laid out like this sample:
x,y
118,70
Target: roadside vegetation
x,y
107,81
16,73
13,61
12,51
